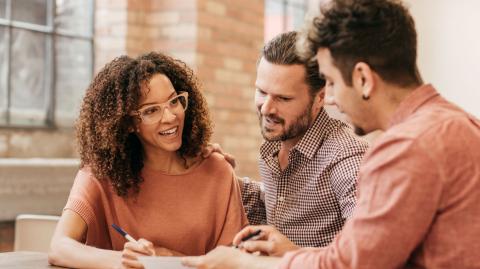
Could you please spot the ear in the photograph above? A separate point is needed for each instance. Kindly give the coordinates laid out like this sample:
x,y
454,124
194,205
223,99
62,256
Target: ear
x,y
320,97
363,80
318,100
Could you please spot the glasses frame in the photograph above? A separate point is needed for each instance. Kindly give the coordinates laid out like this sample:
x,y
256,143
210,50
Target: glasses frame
x,y
165,105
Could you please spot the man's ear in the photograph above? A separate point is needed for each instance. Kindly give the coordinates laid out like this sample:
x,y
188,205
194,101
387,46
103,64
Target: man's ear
x,y
318,100
363,80
321,95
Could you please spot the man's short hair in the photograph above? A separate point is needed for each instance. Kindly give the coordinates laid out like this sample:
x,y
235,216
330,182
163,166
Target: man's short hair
x,y
282,50
380,33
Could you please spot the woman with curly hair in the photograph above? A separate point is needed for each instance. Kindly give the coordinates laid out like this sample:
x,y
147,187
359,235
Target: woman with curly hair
x,y
142,126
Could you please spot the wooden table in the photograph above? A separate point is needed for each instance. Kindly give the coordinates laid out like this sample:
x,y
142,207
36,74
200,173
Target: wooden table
x,y
24,260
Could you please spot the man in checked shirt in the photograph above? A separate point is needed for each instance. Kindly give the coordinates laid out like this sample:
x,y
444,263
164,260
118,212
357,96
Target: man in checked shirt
x,y
309,161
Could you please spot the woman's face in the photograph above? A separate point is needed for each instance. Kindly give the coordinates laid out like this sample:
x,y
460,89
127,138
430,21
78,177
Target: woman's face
x,y
160,125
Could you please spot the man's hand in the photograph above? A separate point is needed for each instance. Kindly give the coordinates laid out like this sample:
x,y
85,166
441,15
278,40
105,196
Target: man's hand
x,y
270,241
214,147
230,258
219,258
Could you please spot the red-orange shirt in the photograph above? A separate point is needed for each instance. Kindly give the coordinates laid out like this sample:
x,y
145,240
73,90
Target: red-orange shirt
x,y
190,213
419,195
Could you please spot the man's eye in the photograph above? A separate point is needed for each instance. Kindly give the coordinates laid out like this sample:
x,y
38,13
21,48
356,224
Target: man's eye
x,y
260,92
285,99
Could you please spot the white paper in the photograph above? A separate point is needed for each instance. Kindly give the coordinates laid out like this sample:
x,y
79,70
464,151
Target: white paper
x,y
161,262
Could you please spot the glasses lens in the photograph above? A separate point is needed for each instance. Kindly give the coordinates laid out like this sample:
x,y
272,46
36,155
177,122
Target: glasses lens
x,y
152,114
183,101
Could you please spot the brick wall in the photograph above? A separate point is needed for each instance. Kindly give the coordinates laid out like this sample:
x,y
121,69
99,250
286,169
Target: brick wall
x,y
110,31
230,35
172,28
219,39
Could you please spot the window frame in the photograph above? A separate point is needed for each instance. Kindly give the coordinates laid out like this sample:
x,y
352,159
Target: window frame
x,y
285,5
51,33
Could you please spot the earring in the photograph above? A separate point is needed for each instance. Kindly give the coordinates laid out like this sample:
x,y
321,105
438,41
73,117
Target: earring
x,y
133,130
365,97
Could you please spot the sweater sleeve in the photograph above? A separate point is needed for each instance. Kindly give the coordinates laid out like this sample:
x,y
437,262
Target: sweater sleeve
x,y
235,218
85,199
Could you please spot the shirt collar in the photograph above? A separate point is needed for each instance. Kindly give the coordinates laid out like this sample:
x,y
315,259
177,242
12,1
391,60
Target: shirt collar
x,y
412,102
308,144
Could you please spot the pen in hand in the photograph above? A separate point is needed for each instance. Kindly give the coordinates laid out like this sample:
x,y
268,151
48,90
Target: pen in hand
x,y
128,237
124,234
250,236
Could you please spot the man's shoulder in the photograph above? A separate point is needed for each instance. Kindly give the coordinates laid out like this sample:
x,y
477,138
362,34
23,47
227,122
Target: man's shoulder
x,y
435,130
343,141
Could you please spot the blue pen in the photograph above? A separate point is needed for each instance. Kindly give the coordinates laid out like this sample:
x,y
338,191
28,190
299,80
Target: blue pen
x,y
129,237
123,233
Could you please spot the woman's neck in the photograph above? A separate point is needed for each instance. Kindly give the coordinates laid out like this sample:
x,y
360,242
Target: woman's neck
x,y
167,162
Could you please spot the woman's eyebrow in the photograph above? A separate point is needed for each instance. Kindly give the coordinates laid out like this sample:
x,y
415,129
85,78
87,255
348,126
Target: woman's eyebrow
x,y
154,103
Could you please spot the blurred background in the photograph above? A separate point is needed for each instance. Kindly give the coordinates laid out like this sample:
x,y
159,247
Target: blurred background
x,y
51,49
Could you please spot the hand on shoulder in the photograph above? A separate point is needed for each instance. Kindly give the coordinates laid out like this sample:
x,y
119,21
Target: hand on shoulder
x,y
216,148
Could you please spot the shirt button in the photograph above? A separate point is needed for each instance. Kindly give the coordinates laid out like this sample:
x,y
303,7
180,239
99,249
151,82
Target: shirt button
x,y
281,198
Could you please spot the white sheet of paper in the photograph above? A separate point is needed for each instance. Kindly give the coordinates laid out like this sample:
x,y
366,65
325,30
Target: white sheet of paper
x,y
161,262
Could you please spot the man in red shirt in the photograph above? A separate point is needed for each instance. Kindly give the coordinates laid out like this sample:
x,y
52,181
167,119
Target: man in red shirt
x,y
419,184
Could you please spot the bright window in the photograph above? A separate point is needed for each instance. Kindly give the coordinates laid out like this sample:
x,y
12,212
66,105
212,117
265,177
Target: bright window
x,y
46,60
283,15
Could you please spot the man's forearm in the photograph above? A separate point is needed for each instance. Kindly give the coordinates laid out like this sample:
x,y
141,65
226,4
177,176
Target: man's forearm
x,y
261,262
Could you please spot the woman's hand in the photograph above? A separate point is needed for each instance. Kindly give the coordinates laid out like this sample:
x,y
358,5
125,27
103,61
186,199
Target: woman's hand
x,y
161,251
132,250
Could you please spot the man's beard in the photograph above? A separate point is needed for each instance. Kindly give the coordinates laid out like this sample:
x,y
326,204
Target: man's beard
x,y
297,128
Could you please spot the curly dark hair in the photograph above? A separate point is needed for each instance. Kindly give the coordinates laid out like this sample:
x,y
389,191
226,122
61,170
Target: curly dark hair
x,y
380,33
106,143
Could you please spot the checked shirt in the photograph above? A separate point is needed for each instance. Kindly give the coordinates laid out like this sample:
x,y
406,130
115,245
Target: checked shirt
x,y
310,200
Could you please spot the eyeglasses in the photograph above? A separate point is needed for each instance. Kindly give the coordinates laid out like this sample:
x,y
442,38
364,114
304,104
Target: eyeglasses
x,y
154,113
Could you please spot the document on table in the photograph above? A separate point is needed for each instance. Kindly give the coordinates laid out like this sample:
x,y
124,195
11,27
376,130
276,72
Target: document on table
x,y
161,262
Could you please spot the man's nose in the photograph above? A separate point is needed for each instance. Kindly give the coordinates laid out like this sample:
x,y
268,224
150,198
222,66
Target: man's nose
x,y
268,106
